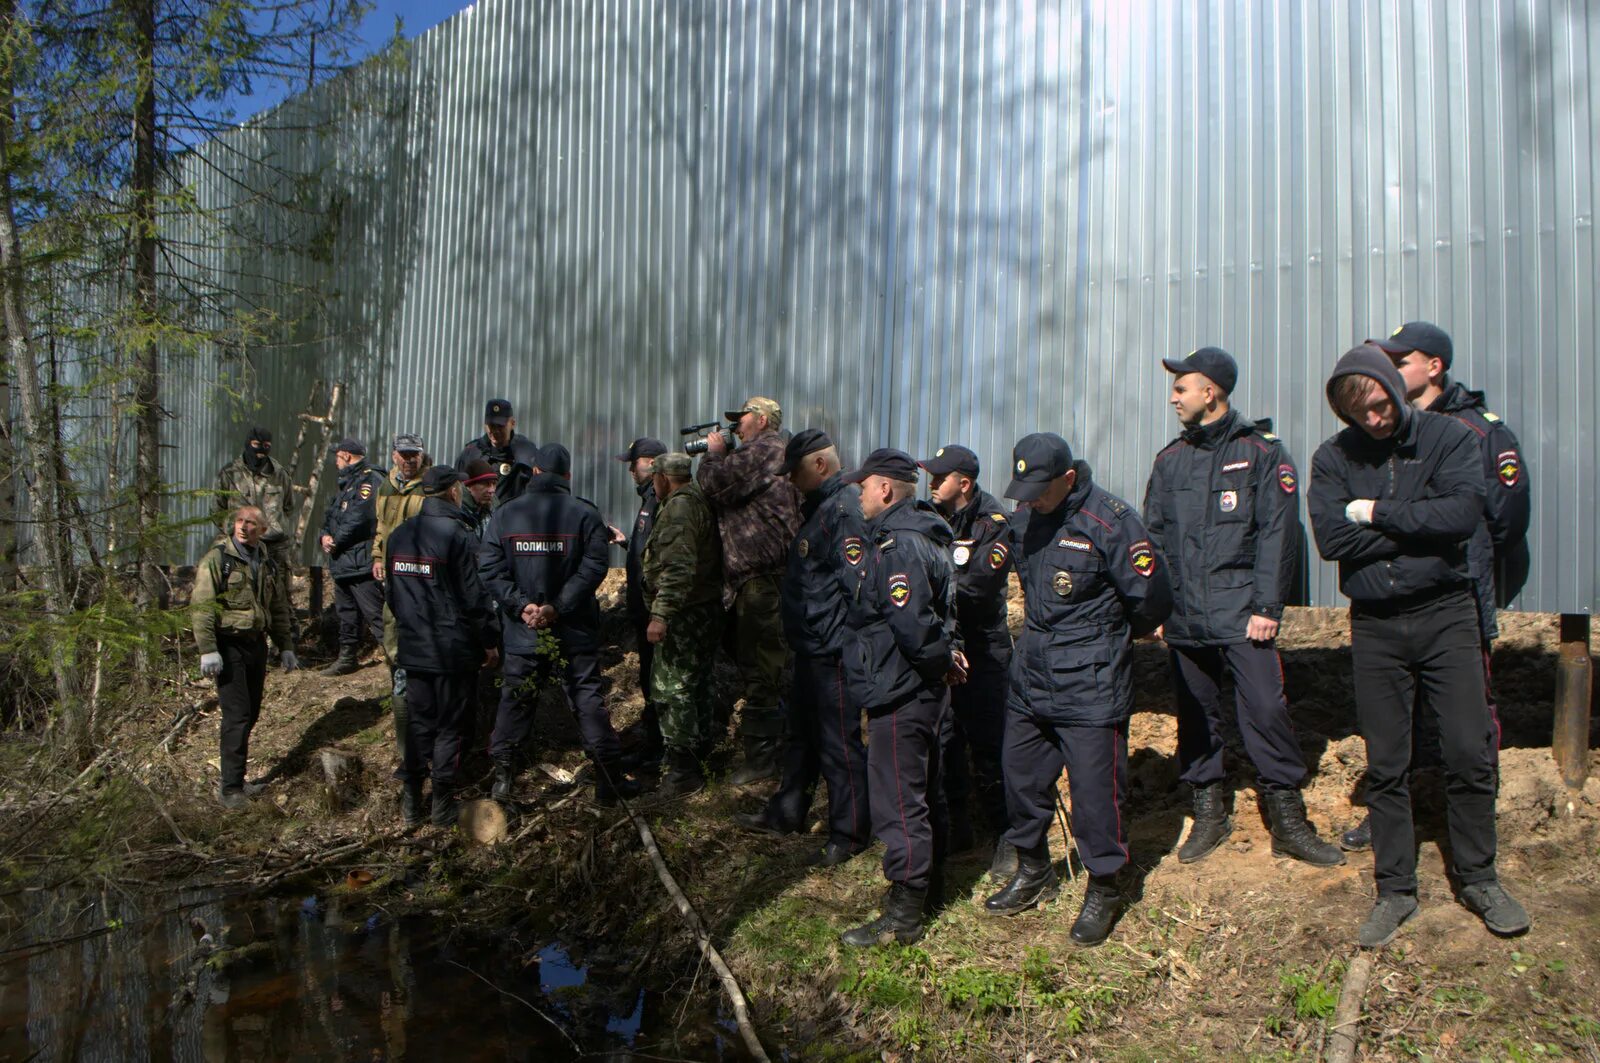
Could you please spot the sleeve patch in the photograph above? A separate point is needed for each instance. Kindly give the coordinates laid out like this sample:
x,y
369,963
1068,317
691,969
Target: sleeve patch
x,y
366,492
1509,467
854,551
899,589
1286,479
1143,558
997,556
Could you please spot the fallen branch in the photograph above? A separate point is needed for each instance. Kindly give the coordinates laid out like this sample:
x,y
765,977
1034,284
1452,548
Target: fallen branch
x,y
562,1030
161,808
1343,1036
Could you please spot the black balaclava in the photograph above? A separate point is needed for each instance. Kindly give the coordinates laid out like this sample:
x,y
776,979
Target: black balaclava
x,y
256,460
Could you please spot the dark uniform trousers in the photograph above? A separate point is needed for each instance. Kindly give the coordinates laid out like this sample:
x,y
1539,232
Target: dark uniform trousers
x,y
1433,647
977,727
239,687
1096,761
441,705
359,603
650,718
1264,725
824,742
585,694
903,778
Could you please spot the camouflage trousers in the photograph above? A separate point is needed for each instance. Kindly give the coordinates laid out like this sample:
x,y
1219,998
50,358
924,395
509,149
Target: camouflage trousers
x,y
762,654
680,678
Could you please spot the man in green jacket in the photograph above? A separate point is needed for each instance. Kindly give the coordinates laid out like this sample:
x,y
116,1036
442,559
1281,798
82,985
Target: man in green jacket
x,y
683,593
254,479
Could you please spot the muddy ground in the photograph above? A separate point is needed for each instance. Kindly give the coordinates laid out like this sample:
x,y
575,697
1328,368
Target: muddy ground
x,y
1239,956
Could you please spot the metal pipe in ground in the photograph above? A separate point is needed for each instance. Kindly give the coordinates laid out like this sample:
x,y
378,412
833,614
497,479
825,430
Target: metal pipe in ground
x,y
1569,743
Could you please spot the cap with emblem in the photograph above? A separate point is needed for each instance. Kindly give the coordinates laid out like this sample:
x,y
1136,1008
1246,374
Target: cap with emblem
x,y
887,462
1423,336
1214,363
675,464
479,471
555,459
407,443
643,447
952,458
806,441
1036,460
768,408
496,412
350,445
439,479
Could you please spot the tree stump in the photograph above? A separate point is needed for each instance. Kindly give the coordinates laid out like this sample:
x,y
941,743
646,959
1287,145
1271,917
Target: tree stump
x,y
341,775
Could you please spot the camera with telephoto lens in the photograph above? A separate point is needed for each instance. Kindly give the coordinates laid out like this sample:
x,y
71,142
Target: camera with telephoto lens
x,y
705,432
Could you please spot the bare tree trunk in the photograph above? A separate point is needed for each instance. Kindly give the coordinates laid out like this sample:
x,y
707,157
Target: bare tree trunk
x,y
146,368
8,491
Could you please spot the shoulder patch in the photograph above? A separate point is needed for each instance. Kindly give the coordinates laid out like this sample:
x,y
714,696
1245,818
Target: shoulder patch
x,y
366,491
899,589
1492,418
1117,507
997,556
1268,436
1508,467
854,551
1286,479
1143,558
998,518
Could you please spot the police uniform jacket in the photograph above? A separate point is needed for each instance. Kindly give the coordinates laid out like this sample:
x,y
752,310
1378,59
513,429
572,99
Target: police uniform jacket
x,y
443,618
546,547
1093,583
352,520
1427,481
820,577
519,449
1222,508
902,617
1497,553
642,523
235,594
981,552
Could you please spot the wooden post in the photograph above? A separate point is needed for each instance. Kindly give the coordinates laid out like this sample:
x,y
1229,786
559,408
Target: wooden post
x,y
1574,688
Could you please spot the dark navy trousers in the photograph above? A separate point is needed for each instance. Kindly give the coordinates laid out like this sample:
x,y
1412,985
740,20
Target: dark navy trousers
x,y
908,809
824,741
971,756
585,692
1269,739
1096,761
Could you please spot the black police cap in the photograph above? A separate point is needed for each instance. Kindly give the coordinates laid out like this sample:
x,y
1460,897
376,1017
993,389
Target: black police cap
x,y
952,458
351,445
497,412
555,459
806,441
1215,363
643,447
439,479
1036,460
1423,336
887,462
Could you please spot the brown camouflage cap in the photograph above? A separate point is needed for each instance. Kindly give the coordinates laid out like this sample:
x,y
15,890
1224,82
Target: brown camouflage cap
x,y
769,408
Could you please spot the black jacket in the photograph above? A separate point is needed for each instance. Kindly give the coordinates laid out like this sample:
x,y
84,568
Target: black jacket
x,y
819,580
1222,508
902,617
1093,583
546,547
520,448
636,540
981,552
352,520
1497,553
1428,485
443,618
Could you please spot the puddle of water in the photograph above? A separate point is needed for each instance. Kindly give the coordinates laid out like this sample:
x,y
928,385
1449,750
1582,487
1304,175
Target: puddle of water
x,y
300,978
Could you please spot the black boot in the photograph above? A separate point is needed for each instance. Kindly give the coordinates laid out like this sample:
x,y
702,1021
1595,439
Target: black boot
x,y
1292,836
1102,903
1357,839
411,804
760,762
767,821
901,920
1212,824
1034,883
1004,864
345,664
446,809
611,784
683,777
505,777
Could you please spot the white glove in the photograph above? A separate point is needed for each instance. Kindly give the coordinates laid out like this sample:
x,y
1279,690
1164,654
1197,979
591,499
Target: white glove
x,y
290,661
1359,511
210,664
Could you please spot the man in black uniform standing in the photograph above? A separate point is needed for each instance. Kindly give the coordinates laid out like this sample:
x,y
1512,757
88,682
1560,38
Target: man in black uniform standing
x,y
825,565
1093,583
640,457
500,445
1395,499
544,556
1222,508
901,654
347,531
982,556
446,630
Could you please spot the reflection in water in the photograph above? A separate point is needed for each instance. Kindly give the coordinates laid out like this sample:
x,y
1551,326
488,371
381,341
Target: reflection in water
x,y
200,978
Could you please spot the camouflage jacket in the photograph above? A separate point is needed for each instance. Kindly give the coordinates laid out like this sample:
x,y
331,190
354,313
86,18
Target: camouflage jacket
x,y
682,562
757,508
270,490
398,501
233,598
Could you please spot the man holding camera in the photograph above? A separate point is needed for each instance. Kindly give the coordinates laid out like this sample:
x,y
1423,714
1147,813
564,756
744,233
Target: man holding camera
x,y
758,513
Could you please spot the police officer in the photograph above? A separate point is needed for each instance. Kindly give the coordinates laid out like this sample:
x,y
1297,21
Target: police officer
x,y
640,458
901,653
347,531
478,479
1395,499
237,602
399,499
1497,554
254,479
681,568
1093,583
1222,508
500,445
544,556
825,565
446,630
982,556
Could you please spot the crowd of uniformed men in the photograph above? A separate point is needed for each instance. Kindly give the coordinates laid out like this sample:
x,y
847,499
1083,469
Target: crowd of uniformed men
x,y
871,603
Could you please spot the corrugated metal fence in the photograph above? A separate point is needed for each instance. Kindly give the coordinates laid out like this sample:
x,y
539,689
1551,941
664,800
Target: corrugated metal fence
x,y
937,221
